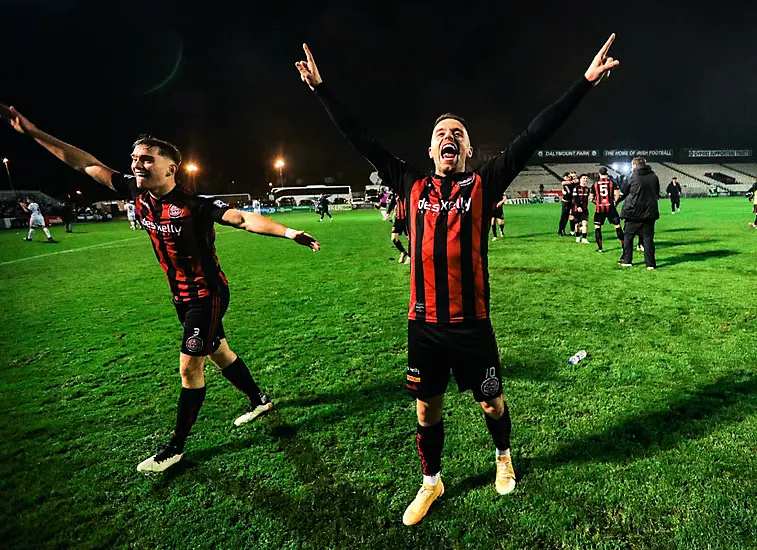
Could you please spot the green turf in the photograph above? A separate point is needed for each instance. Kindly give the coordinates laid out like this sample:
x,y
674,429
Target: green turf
x,y
649,443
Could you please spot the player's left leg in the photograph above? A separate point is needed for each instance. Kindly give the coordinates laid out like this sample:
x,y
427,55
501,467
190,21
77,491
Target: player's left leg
x,y
647,234
498,423
598,236
618,231
584,230
494,229
477,368
399,246
628,237
235,370
501,223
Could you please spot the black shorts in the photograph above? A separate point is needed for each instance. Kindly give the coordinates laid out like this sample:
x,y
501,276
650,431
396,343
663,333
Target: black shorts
x,y
498,213
399,226
580,216
468,350
202,321
612,216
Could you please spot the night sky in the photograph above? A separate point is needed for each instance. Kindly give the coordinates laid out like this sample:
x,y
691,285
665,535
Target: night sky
x,y
220,82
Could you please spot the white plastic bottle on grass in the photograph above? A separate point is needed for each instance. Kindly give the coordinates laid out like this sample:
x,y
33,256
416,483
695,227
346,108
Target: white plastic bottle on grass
x,y
578,357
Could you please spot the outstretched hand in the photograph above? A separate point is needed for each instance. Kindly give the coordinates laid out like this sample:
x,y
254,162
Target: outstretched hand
x,y
308,69
306,240
19,122
601,65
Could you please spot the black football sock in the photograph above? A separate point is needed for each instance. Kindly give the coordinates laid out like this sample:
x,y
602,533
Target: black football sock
x,y
500,429
619,233
598,236
430,441
583,235
502,230
494,230
190,401
398,245
238,374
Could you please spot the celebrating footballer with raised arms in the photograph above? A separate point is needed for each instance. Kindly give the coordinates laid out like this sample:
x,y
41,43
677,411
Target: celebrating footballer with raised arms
x,y
448,215
180,226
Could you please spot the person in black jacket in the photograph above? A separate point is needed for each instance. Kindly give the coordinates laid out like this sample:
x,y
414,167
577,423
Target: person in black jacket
x,y
674,193
750,195
642,190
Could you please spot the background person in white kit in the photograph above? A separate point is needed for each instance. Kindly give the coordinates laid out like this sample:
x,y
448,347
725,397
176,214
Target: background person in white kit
x,y
36,219
131,215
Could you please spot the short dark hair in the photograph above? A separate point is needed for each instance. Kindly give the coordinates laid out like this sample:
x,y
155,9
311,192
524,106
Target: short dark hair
x,y
566,175
453,116
168,150
675,178
584,176
603,170
639,161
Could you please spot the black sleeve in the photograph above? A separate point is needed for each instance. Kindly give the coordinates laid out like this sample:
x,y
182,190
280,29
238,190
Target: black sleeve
x,y
500,171
212,208
126,186
625,187
393,170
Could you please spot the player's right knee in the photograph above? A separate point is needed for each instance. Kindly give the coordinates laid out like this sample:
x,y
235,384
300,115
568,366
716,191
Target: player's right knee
x,y
430,411
191,366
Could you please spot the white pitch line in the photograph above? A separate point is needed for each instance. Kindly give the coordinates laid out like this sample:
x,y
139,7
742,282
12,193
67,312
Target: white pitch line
x,y
110,243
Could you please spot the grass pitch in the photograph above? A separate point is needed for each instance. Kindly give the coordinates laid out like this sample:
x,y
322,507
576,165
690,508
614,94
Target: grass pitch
x,y
649,443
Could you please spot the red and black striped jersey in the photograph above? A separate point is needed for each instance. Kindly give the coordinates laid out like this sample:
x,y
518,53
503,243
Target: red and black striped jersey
x,y
400,209
449,216
581,198
604,194
180,226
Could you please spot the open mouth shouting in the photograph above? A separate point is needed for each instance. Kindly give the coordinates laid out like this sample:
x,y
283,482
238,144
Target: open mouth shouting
x,y
449,153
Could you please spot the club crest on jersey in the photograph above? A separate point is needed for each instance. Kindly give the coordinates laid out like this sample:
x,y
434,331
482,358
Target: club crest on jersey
x,y
194,344
175,211
490,386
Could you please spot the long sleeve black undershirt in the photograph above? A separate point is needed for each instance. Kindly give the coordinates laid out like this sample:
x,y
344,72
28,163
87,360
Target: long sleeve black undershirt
x,y
497,173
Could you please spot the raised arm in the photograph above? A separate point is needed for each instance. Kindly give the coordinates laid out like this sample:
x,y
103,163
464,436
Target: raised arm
x,y
502,169
255,223
76,158
384,162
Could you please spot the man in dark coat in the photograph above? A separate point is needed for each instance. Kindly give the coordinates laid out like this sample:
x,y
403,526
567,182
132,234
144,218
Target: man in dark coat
x,y
642,190
674,193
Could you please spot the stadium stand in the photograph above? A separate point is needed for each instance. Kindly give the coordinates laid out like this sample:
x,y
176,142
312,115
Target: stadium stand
x,y
691,186
701,171
581,168
530,179
748,169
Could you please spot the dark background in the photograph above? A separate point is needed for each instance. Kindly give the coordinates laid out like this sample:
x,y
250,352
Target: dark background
x,y
219,80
